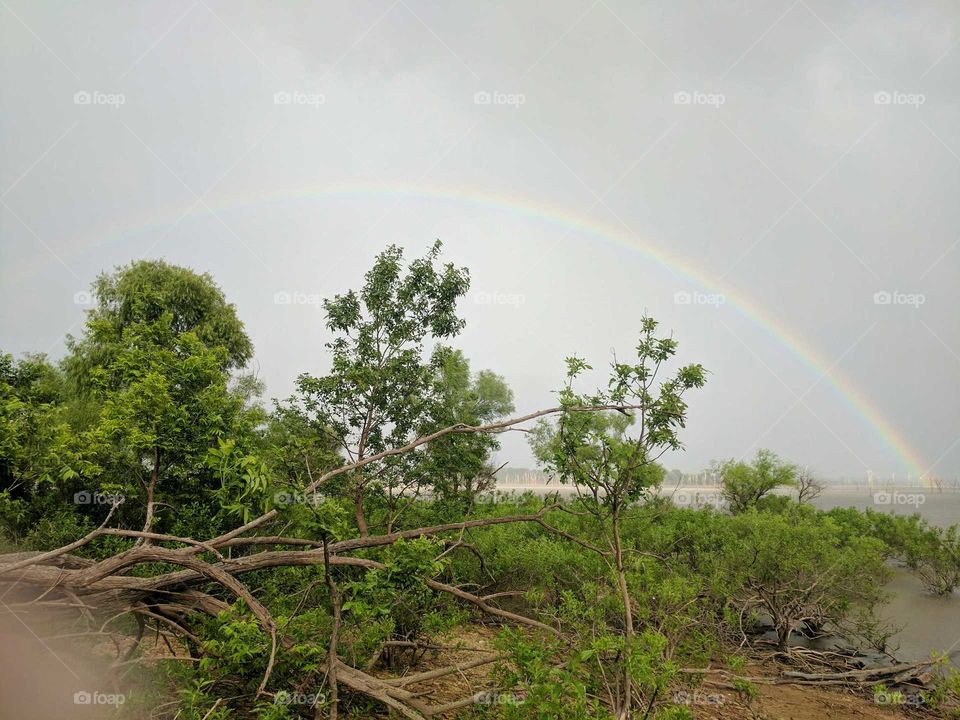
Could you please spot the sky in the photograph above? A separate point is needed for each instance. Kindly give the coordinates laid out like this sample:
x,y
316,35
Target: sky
x,y
776,182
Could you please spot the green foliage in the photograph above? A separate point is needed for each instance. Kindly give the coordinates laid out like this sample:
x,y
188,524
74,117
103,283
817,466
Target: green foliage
x,y
38,450
593,450
457,465
396,592
377,393
197,703
936,558
933,553
246,488
539,686
746,689
296,448
377,358
155,294
798,568
56,529
152,370
235,645
748,485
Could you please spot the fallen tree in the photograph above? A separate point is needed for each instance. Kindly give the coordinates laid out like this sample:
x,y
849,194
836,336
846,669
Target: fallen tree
x,y
59,578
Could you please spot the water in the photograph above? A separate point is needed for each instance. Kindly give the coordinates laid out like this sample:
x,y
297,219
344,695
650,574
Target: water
x,y
941,509
929,622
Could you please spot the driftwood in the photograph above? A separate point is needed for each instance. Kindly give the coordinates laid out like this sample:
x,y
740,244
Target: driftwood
x,y
898,673
881,673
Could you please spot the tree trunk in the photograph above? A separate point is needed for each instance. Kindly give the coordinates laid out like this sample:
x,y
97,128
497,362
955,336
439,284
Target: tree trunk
x,y
332,659
151,488
627,699
783,633
358,506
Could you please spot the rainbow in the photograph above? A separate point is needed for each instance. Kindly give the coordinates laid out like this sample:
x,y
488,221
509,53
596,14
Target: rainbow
x,y
852,397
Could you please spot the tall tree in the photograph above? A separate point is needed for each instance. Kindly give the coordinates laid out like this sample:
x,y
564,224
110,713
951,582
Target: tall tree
x,y
376,394
156,358
610,467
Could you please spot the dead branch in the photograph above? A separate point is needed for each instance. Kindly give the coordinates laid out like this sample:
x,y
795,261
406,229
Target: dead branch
x,y
332,660
440,672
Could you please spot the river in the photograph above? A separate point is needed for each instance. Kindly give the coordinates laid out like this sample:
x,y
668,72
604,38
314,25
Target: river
x,y
929,622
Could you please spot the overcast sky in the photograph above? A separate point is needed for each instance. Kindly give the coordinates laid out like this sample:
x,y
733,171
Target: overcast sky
x,y
776,182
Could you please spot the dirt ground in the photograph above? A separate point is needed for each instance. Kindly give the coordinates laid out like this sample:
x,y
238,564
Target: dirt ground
x,y
791,702
460,648
709,701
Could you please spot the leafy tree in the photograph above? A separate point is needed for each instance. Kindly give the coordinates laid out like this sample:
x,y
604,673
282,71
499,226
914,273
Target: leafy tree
x,y
798,567
155,359
612,468
458,465
38,449
34,437
933,553
154,294
747,485
376,394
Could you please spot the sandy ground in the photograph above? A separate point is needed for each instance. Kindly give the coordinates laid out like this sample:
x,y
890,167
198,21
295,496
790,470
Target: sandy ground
x,y
791,702
775,702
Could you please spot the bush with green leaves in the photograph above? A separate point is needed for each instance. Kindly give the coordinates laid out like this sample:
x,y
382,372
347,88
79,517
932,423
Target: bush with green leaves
x,y
748,485
796,568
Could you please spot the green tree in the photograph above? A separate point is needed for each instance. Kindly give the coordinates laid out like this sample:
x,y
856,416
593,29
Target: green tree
x,y
33,431
612,468
155,360
377,393
153,293
458,465
38,448
747,485
802,570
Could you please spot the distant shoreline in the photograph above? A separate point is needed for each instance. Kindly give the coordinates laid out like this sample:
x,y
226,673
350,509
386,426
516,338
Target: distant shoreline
x,y
828,489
